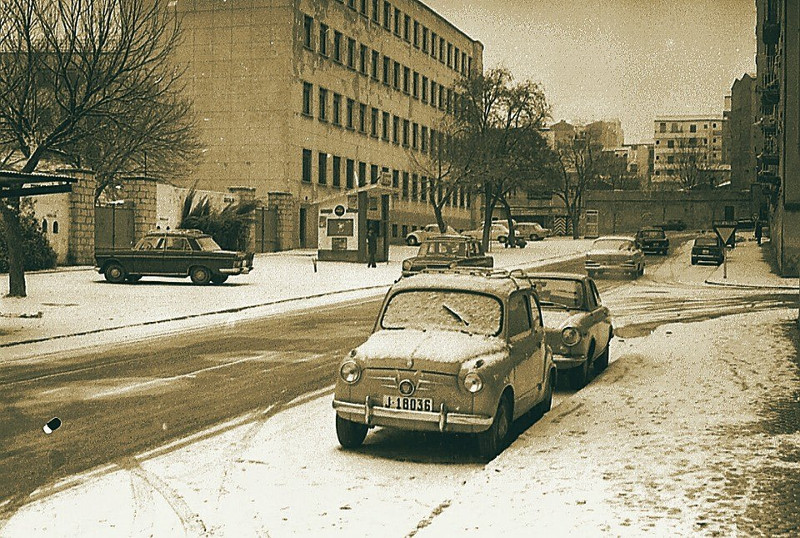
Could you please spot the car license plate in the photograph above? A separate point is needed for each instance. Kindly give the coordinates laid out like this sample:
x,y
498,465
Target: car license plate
x,y
406,403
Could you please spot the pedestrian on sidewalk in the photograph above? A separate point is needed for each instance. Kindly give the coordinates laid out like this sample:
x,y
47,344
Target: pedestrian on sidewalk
x,y
758,232
372,246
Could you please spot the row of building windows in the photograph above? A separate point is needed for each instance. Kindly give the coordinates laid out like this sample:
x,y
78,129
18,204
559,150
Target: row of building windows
x,y
678,128
412,187
381,68
350,114
403,26
692,142
44,226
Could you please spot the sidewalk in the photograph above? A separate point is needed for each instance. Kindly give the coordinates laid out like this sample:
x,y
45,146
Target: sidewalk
x,y
80,303
748,267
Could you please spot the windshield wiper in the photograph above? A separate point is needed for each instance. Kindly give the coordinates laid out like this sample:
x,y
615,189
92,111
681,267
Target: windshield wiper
x,y
560,305
458,316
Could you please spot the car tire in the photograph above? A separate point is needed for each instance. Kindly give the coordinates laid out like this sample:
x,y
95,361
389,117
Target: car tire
x,y
133,278
219,279
115,273
492,441
412,241
694,261
601,362
579,376
350,434
200,275
501,239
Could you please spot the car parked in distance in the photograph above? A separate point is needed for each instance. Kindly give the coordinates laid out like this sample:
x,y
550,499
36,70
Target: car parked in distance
x,y
175,253
579,328
707,248
532,231
497,232
450,352
418,236
615,254
673,224
652,239
447,252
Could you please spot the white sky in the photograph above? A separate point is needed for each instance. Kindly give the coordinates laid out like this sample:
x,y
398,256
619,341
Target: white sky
x,y
631,59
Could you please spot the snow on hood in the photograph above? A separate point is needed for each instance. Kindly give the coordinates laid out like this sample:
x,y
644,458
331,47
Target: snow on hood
x,y
609,252
433,345
555,318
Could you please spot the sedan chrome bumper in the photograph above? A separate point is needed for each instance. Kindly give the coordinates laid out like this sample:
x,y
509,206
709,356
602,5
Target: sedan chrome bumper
x,y
367,413
236,271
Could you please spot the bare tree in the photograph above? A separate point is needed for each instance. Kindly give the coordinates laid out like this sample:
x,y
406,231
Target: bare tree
x,y
494,120
693,164
71,72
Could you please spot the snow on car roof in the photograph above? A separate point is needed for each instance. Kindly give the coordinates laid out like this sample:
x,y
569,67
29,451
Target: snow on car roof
x,y
559,276
615,238
498,284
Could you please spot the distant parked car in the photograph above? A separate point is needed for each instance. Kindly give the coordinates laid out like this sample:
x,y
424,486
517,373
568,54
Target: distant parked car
x,y
707,248
447,252
418,236
176,253
615,254
673,224
450,352
532,231
497,232
579,328
652,239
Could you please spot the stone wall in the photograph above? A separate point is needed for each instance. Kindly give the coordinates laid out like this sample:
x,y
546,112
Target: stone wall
x,y
80,248
142,192
286,205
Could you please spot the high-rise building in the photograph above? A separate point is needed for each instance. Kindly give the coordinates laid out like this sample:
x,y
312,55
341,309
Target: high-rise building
x,y
688,151
778,88
743,133
315,97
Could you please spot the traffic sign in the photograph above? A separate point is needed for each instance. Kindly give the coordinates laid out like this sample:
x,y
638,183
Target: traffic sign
x,y
724,230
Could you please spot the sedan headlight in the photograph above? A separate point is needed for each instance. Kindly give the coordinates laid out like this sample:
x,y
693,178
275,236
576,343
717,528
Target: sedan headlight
x,y
473,382
570,336
350,372
406,265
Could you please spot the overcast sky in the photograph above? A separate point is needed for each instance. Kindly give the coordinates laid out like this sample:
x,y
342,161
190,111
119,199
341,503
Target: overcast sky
x,y
629,59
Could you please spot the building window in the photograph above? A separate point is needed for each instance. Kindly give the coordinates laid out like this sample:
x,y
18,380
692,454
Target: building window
x,y
397,22
373,174
406,79
394,230
351,4
308,28
386,69
337,47
423,143
323,104
441,97
415,85
670,159
425,39
434,140
307,89
351,53
362,59
363,7
395,179
373,123
415,135
362,174
434,40
306,166
406,125
423,189
441,49
349,171
405,230
693,128
385,127
323,169
44,225
337,109
323,39
362,118
414,187
55,226
416,34
463,63
375,64
395,129
456,59
337,171
405,186
387,15
670,143
424,89
469,73
407,28
349,114
396,76
433,93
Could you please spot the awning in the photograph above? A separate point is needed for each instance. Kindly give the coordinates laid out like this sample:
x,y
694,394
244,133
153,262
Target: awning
x,y
15,184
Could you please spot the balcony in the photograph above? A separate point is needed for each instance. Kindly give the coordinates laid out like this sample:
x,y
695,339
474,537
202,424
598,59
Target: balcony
x,y
768,125
770,33
768,159
769,178
770,95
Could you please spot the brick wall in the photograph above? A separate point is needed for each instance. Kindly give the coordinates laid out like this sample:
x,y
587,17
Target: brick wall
x,y
80,248
142,192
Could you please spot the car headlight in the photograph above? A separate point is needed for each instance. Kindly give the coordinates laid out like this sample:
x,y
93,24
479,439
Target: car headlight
x,y
473,382
406,265
350,372
570,336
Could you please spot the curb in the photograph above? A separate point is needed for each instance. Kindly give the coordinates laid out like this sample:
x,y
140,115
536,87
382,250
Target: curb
x,y
749,286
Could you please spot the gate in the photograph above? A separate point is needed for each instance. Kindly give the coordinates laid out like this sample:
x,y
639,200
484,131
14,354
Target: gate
x,y
592,223
113,226
266,224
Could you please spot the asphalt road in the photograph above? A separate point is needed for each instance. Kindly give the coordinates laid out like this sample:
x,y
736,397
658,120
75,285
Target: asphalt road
x,y
120,401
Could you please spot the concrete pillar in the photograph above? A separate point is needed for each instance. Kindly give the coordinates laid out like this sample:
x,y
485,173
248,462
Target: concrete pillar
x,y
247,194
286,206
80,249
141,191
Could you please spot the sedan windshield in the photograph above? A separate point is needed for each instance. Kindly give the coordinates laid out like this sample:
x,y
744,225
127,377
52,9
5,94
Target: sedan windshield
x,y
560,292
611,244
207,243
442,310
449,249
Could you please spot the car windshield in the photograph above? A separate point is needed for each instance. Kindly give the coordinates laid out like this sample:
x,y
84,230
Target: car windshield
x,y
652,234
560,292
207,243
611,244
449,249
444,310
706,241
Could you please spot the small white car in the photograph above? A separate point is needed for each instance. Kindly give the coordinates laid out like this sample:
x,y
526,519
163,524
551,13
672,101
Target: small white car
x,y
532,231
498,232
430,230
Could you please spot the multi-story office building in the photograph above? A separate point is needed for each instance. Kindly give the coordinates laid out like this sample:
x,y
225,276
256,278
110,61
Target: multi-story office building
x,y
688,151
316,97
778,88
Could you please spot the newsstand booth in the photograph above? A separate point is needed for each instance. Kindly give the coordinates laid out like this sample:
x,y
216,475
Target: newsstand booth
x,y
345,219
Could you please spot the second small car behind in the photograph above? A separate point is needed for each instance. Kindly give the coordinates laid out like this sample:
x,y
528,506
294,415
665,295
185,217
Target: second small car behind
x,y
447,252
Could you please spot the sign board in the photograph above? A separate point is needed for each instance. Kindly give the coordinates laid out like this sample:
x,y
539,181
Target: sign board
x,y
724,230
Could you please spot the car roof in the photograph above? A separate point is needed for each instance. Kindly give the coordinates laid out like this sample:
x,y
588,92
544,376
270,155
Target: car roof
x,y
450,237
498,283
616,237
180,232
552,275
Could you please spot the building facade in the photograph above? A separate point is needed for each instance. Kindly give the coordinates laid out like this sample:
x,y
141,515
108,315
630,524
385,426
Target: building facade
x,y
688,151
778,90
744,141
310,98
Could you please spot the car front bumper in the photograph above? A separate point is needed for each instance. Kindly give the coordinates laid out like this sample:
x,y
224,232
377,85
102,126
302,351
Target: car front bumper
x,y
443,421
236,271
624,267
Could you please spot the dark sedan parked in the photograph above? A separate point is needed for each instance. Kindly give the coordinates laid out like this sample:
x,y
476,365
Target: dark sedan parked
x,y
652,239
176,253
707,248
447,252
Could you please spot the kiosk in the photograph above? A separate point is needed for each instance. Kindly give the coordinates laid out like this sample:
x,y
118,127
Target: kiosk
x,y
344,220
